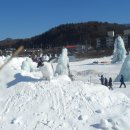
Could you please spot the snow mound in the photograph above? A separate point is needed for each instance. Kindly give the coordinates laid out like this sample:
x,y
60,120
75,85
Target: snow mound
x,y
87,72
104,124
58,104
85,75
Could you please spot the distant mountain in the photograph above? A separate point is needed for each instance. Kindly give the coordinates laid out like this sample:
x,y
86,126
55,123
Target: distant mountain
x,y
128,25
68,34
8,39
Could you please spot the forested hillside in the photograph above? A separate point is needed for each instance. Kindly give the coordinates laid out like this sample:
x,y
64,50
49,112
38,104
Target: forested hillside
x,y
68,34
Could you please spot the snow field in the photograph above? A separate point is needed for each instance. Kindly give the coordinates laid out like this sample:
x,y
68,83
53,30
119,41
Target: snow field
x,y
28,102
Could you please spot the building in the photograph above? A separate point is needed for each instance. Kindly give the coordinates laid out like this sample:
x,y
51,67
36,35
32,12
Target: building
x,y
110,34
127,32
110,39
109,42
126,37
98,43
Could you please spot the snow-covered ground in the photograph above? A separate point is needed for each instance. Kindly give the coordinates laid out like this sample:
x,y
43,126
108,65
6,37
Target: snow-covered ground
x,y
27,102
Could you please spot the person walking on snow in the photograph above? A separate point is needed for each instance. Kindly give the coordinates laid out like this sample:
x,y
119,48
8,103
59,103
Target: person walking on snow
x,y
122,81
110,83
106,82
102,80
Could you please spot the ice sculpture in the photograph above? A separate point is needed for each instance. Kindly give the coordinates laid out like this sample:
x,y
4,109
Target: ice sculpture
x,y
119,54
125,70
27,65
62,67
47,70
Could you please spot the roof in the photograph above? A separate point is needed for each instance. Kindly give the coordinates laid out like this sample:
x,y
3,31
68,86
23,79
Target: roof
x,y
70,46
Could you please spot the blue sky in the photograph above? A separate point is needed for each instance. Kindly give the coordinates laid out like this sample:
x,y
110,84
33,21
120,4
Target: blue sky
x,y
27,18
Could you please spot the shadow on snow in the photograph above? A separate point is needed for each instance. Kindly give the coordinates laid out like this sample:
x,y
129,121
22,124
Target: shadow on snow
x,y
21,78
97,126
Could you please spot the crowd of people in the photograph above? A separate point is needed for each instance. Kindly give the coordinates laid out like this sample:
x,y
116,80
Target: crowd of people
x,y
108,83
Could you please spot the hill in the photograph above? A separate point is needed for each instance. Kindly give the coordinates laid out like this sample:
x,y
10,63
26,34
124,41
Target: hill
x,y
66,34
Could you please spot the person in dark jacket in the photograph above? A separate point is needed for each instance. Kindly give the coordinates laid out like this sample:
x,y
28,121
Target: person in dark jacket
x,y
122,81
106,82
110,83
40,62
102,80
